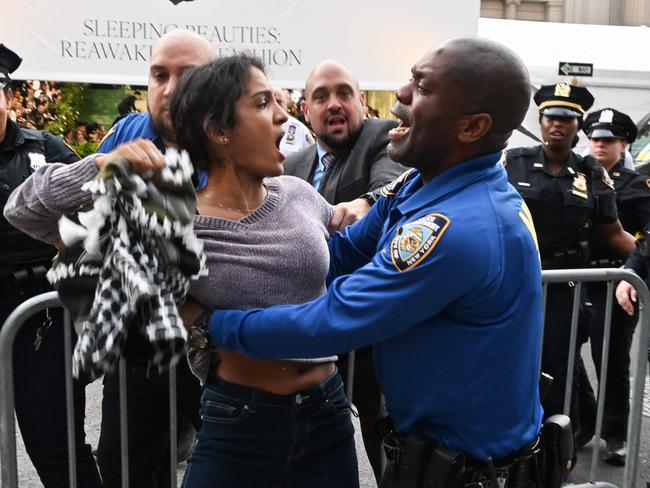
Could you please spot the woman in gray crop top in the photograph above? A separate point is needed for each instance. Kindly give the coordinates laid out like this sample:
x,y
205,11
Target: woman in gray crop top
x,y
264,423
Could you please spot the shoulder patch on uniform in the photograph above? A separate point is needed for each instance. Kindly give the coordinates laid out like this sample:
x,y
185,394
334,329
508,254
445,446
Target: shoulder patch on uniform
x,y
647,182
415,240
36,160
394,186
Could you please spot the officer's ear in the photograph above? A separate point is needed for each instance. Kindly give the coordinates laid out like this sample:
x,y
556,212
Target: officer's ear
x,y
473,127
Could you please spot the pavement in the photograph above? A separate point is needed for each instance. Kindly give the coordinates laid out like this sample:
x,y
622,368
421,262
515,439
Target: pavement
x,y
581,474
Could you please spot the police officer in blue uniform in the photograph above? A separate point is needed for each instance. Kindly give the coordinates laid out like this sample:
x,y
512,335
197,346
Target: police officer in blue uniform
x,y
39,378
568,197
609,132
442,276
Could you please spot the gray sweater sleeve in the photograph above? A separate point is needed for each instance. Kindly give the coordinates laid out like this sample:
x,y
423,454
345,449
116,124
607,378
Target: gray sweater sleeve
x,y
36,206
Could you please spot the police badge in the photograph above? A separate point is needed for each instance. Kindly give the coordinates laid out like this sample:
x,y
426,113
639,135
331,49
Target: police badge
x,y
36,160
580,186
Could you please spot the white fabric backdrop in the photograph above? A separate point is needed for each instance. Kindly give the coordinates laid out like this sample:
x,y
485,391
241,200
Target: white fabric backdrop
x,y
110,41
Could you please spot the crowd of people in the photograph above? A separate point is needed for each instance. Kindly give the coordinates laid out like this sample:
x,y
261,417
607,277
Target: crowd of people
x,y
355,233
34,106
34,102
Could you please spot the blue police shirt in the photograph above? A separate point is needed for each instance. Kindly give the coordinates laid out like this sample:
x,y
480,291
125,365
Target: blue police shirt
x,y
132,127
128,129
444,279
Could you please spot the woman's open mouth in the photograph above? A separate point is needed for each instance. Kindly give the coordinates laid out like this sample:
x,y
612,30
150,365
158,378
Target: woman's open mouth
x,y
278,140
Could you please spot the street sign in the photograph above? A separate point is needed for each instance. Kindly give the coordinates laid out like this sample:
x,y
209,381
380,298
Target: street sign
x,y
575,69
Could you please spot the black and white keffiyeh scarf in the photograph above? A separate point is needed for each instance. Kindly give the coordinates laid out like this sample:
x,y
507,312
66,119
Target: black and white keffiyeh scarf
x,y
128,262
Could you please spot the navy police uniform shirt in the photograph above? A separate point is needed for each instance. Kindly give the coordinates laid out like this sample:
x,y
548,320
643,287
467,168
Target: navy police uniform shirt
x,y
632,198
633,204
444,279
23,152
564,206
128,129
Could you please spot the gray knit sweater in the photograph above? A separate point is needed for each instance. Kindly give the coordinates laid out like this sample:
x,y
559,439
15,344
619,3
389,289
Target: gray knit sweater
x,y
275,255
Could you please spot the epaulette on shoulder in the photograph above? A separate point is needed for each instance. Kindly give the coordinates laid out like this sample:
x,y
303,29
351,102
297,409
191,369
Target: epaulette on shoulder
x,y
517,152
394,186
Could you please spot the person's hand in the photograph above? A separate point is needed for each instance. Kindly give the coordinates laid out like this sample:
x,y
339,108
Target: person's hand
x,y
346,213
190,311
143,155
626,295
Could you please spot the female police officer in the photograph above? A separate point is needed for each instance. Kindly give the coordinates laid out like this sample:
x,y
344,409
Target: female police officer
x,y
567,196
609,132
38,347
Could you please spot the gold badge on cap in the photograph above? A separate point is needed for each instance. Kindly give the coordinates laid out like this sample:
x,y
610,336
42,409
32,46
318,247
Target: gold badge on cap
x,y
563,90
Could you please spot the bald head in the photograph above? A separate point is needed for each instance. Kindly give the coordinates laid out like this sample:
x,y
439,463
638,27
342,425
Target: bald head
x,y
174,52
329,67
463,100
186,40
334,105
490,78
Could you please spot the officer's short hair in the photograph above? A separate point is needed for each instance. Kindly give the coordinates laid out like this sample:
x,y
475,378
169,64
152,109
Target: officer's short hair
x,y
206,95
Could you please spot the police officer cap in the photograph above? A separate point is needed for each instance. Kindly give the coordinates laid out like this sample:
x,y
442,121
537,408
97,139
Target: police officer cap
x,y
9,62
609,123
563,100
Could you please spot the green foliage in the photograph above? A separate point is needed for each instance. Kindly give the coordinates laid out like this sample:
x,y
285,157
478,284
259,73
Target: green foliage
x,y
68,108
85,148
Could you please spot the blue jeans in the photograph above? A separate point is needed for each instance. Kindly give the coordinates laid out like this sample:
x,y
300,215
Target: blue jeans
x,y
253,439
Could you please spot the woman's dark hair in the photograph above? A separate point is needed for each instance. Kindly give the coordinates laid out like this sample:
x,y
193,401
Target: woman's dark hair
x,y
206,96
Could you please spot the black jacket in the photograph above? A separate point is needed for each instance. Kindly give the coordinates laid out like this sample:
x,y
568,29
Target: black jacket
x,y
566,206
21,153
365,167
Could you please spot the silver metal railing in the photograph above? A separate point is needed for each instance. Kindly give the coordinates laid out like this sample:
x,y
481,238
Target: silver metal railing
x,y
8,458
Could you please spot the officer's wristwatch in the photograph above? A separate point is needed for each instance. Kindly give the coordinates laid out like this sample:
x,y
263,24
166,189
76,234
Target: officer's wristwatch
x,y
199,335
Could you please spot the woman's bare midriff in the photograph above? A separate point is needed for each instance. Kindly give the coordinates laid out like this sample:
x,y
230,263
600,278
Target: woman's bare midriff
x,y
273,376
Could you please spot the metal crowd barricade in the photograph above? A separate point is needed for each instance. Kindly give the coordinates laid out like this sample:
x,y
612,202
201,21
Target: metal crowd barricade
x,y
8,458
610,276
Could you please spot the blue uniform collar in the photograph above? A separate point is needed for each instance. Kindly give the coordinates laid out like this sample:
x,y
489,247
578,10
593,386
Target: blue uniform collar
x,y
416,195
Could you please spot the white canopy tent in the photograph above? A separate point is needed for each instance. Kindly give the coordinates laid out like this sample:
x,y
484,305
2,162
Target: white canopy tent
x,y
619,55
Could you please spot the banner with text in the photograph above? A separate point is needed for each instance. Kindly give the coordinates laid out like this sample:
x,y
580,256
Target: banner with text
x,y
111,42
